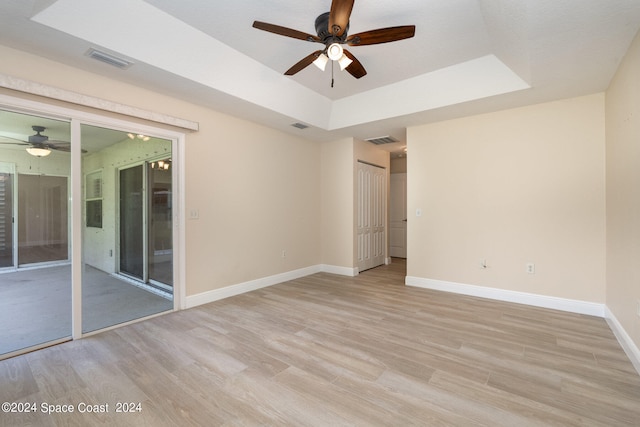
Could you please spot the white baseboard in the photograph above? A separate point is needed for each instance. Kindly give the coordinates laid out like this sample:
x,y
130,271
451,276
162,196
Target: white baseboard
x,y
629,347
574,306
252,285
342,271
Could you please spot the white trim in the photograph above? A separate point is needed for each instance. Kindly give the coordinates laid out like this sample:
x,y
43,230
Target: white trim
x,y
51,92
342,271
252,285
627,344
564,304
76,226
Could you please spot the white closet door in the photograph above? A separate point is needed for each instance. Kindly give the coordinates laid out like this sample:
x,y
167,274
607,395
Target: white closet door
x,y
371,216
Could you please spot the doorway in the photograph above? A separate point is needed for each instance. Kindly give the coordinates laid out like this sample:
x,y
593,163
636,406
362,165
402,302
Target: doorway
x,y
398,215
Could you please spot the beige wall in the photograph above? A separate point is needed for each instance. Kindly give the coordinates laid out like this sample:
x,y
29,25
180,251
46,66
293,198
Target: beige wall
x,y
337,203
512,187
399,165
623,193
257,192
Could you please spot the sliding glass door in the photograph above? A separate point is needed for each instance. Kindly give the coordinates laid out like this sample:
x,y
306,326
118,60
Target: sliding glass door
x,y
103,258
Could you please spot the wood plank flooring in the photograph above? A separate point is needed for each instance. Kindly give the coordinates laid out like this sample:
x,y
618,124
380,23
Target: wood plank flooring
x,y
327,350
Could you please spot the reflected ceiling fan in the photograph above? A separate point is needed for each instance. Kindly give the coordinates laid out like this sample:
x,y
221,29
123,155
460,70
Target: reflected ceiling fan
x,y
332,30
39,145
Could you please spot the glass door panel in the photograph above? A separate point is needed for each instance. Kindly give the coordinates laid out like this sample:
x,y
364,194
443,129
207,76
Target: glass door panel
x,y
116,269
35,303
160,230
132,222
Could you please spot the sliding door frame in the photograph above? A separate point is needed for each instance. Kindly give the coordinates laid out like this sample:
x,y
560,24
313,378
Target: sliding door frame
x,y
10,169
76,118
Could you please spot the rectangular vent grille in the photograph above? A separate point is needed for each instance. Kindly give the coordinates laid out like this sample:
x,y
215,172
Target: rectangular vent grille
x,y
300,125
123,64
382,140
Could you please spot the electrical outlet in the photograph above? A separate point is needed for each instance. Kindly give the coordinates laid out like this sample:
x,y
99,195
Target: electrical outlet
x,y
483,263
531,268
638,309
284,254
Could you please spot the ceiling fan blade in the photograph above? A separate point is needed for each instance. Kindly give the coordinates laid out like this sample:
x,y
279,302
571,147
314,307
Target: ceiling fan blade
x,y
58,148
66,147
13,141
284,31
355,68
339,16
303,63
382,35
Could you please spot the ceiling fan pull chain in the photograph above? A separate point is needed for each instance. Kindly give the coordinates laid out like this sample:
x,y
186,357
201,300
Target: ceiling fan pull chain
x,y
332,73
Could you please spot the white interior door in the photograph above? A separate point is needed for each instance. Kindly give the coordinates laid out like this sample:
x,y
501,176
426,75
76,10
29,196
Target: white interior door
x,y
398,215
371,216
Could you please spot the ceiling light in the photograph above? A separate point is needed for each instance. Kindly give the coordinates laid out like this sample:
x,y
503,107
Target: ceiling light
x,y
344,62
335,51
321,61
139,136
39,151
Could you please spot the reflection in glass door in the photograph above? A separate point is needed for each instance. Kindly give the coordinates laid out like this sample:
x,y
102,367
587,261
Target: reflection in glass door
x,y
146,232
43,234
132,222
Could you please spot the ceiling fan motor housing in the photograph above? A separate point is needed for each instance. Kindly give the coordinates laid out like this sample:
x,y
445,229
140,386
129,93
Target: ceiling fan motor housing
x,y
324,33
37,138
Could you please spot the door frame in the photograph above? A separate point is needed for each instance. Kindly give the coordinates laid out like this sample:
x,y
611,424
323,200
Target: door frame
x,y
10,169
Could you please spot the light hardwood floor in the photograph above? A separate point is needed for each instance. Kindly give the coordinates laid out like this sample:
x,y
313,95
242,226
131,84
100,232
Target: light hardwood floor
x,y
328,350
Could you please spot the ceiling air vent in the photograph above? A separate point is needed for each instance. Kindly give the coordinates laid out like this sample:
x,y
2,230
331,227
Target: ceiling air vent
x,y
300,125
109,59
382,140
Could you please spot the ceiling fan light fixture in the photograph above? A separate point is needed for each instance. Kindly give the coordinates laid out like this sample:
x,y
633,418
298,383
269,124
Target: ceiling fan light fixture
x,y
139,136
38,151
344,62
321,61
335,51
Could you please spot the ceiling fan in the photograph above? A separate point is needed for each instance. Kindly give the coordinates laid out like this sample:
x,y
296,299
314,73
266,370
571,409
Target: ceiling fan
x,y
39,145
332,30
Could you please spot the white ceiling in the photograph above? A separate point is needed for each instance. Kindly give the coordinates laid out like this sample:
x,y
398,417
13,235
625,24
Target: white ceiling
x,y
467,57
